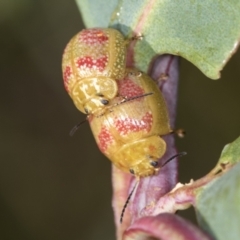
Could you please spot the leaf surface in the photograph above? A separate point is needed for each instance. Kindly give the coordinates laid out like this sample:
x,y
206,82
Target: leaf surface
x,y
204,32
217,206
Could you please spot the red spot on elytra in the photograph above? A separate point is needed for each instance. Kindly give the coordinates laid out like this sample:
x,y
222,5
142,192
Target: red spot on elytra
x,y
105,138
66,77
128,88
128,125
93,36
88,62
152,148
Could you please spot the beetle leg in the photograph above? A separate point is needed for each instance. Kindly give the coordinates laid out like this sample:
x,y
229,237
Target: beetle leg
x,y
136,37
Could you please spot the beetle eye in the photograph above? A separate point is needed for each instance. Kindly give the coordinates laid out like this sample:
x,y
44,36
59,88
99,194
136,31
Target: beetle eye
x,y
131,73
131,171
154,163
86,110
104,101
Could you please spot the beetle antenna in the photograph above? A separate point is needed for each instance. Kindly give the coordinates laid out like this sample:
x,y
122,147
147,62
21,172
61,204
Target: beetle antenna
x,y
131,99
76,127
127,201
171,158
125,99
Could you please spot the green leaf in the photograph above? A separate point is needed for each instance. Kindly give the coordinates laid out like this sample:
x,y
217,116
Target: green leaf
x,y
218,206
230,153
96,13
204,32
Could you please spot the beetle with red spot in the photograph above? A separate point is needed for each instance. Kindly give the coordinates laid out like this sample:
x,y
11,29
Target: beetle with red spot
x,y
92,62
129,133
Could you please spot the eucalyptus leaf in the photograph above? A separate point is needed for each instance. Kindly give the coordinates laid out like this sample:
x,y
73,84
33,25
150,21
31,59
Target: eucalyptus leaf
x,y
218,206
204,32
230,153
96,13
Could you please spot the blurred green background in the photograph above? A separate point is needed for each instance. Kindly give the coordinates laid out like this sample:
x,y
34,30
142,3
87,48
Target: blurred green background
x,y
53,186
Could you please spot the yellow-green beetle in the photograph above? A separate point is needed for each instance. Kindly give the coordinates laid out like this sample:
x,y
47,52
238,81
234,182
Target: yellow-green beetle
x,y
129,133
93,61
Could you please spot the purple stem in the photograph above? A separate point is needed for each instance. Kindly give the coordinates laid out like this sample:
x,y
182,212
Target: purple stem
x,y
164,70
164,226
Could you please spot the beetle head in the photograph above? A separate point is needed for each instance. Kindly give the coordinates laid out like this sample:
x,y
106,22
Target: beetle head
x,y
93,94
147,167
141,157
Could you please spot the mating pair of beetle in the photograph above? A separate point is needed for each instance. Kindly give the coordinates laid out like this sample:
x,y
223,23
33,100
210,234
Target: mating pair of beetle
x,y
126,110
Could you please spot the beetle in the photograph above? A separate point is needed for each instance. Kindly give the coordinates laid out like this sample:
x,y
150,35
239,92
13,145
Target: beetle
x,y
92,62
129,132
